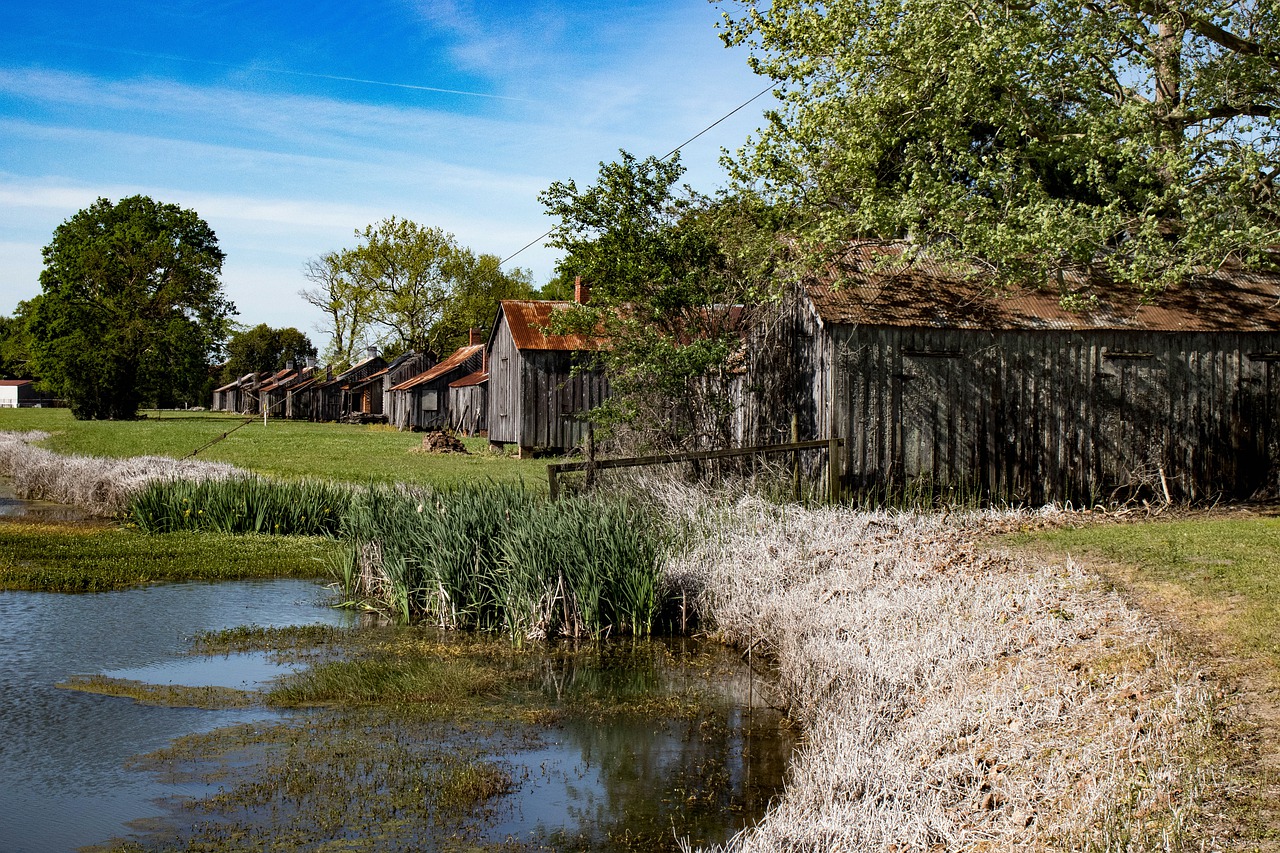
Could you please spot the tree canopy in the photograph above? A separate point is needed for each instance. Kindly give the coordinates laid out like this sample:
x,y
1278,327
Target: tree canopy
x,y
131,308
665,270
1134,139
407,287
264,349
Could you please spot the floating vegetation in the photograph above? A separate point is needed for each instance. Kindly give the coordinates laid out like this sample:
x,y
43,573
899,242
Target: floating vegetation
x,y
66,558
241,505
173,695
468,757
496,558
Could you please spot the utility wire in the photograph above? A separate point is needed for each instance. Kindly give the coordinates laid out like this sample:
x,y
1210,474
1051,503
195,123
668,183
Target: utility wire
x,y
668,155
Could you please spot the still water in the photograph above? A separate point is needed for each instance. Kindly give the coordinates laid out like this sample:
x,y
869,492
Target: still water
x,y
64,781
62,753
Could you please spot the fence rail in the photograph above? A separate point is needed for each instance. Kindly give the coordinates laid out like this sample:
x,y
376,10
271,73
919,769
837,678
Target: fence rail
x,y
832,445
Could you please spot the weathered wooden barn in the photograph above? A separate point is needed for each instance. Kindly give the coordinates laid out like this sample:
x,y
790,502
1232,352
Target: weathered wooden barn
x,y
541,385
422,401
239,396
938,381
469,404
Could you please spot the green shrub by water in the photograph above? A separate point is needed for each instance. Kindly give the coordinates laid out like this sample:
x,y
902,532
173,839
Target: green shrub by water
x,y
495,557
242,505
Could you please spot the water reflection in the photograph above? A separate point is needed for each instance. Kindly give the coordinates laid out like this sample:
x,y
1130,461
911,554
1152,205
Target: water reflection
x,y
62,753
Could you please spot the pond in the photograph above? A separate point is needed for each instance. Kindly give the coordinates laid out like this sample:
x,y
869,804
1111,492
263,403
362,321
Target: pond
x,y
574,779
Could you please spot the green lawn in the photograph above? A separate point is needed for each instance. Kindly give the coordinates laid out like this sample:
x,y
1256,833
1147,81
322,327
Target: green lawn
x,y
1220,576
281,448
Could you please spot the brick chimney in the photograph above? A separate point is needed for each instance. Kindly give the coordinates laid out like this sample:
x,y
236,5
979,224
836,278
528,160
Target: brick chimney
x,y
474,336
581,290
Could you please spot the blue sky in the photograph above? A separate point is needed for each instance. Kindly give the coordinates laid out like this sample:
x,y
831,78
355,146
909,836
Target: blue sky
x,y
289,125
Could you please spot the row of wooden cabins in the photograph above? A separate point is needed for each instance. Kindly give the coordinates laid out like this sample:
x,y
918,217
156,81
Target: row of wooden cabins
x,y
931,378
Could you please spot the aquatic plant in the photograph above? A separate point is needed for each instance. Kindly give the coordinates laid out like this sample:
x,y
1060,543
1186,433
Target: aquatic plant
x,y
242,504
496,557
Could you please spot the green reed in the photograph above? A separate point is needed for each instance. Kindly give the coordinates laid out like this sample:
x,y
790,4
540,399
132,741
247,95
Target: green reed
x,y
498,558
242,505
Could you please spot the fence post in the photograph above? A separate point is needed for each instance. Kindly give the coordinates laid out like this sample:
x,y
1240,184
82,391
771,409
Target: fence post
x,y
833,470
553,485
795,458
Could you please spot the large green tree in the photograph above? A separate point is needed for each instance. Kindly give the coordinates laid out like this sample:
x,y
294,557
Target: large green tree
x,y
1135,139
131,308
345,303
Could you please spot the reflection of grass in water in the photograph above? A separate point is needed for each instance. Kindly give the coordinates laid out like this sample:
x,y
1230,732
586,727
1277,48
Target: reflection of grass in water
x,y
422,762
174,695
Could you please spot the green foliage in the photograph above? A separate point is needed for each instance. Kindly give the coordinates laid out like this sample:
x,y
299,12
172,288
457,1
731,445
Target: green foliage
x,y
131,308
666,269
241,505
410,287
15,348
264,349
494,558
90,559
1131,139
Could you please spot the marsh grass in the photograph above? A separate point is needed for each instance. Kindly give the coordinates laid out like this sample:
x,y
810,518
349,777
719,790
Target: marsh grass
x,y
58,558
281,642
241,505
170,695
422,681
952,695
494,557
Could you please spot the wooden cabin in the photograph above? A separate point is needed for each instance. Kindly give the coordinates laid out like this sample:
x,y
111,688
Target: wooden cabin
x,y
239,396
469,404
422,401
537,399
938,381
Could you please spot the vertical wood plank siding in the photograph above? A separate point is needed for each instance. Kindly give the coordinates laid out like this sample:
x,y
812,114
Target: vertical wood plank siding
x,y
505,389
469,409
1038,415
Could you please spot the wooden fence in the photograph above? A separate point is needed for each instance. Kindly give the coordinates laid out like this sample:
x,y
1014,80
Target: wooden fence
x,y
832,445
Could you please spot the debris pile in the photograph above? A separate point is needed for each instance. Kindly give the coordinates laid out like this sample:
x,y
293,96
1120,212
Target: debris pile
x,y
441,442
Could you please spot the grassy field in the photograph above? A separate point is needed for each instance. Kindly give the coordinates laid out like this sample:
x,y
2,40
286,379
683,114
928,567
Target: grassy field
x,y
1221,575
66,558
281,448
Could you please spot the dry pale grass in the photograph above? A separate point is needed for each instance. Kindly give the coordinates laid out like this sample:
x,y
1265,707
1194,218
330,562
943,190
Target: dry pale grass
x,y
951,696
98,485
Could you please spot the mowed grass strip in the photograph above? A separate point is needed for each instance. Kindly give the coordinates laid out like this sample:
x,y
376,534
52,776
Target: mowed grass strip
x,y
1219,575
281,448
63,558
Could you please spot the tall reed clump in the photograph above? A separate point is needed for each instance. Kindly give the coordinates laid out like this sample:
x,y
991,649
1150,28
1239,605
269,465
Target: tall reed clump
x,y
496,557
241,505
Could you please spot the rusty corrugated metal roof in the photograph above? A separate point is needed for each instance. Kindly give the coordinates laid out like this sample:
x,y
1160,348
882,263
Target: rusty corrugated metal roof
x,y
526,318
477,378
454,362
870,285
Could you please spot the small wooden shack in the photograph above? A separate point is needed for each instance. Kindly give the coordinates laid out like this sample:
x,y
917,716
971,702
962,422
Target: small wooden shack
x,y
541,385
469,404
422,401
239,395
937,380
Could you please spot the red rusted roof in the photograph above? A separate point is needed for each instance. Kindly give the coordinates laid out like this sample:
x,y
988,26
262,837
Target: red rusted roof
x,y
477,378
860,288
457,361
526,318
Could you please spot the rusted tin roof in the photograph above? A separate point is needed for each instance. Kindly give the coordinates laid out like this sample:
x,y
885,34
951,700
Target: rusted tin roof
x,y
457,361
870,285
478,378
527,318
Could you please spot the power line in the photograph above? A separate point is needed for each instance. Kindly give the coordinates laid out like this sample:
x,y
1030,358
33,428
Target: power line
x,y
668,155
